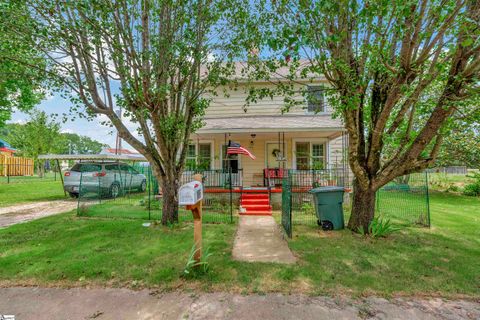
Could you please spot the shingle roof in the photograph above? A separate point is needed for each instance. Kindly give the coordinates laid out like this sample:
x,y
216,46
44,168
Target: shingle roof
x,y
272,124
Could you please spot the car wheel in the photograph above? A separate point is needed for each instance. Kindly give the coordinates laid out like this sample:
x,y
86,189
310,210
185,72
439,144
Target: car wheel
x,y
114,190
73,195
143,186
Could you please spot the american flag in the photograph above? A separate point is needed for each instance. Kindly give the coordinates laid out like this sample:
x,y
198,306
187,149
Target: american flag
x,y
236,148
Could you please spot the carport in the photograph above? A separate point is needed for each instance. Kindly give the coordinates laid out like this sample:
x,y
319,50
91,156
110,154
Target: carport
x,y
89,157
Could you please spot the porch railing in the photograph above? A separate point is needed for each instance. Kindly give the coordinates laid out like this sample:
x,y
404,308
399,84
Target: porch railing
x,y
216,178
306,178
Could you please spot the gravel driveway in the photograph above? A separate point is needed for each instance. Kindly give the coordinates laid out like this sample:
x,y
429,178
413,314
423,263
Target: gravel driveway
x,y
35,210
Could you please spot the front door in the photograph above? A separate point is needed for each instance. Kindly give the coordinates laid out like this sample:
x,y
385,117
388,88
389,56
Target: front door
x,y
273,151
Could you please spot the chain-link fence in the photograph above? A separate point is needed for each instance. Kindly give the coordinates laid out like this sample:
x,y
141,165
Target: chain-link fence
x,y
118,190
297,202
405,201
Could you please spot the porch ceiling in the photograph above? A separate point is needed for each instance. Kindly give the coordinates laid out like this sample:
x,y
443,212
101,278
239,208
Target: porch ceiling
x,y
282,123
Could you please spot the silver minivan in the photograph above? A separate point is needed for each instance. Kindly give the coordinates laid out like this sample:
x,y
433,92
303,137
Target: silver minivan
x,y
111,179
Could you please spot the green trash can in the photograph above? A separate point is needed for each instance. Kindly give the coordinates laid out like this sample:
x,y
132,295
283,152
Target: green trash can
x,y
328,202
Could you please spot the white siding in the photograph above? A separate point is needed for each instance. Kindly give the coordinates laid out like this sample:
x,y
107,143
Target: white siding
x,y
230,102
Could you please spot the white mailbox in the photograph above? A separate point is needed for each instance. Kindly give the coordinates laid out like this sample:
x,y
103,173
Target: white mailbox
x,y
190,193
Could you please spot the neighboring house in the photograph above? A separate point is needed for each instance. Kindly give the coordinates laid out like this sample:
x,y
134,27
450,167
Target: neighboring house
x,y
305,138
11,165
6,148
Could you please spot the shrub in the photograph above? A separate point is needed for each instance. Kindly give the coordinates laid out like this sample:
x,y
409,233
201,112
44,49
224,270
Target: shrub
x,y
379,228
473,189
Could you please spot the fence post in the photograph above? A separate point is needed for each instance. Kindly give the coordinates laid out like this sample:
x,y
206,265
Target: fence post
x,y
290,206
231,195
149,179
428,199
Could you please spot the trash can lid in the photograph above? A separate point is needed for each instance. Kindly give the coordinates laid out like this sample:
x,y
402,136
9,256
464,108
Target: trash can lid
x,y
326,189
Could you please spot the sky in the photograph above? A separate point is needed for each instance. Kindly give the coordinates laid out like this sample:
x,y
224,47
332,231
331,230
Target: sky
x,y
57,105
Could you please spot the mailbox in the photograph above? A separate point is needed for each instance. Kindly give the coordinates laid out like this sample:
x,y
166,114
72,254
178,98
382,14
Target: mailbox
x,y
190,193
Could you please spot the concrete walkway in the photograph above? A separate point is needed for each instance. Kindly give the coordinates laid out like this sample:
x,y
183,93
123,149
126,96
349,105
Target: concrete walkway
x,y
102,304
259,239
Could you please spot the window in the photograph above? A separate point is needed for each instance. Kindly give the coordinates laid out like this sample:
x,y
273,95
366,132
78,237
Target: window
x,y
303,155
318,158
191,159
204,156
315,99
112,167
199,156
310,155
86,167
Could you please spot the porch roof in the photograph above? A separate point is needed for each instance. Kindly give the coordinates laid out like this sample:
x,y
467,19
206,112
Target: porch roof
x,y
282,123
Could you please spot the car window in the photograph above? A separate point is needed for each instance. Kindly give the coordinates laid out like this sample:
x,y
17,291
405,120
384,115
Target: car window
x,y
132,170
124,167
112,167
86,167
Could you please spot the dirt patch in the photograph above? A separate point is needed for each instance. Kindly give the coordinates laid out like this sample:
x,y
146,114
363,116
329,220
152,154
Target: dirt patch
x,y
35,210
110,303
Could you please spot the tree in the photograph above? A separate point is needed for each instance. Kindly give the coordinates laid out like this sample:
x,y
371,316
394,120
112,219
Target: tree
x,y
38,136
72,143
20,86
156,60
398,71
461,147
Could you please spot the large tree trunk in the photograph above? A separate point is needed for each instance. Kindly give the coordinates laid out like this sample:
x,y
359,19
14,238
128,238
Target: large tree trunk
x,y
363,207
170,199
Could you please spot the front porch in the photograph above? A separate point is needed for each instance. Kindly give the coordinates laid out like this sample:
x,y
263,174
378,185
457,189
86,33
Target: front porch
x,y
218,181
317,156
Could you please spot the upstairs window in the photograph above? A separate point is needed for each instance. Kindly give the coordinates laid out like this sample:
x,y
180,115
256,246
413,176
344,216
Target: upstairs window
x,y
316,99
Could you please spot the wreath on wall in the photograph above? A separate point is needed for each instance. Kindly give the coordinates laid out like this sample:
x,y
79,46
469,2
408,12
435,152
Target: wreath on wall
x,y
278,154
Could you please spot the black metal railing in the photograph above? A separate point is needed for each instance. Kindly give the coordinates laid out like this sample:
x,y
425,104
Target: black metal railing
x,y
318,178
216,178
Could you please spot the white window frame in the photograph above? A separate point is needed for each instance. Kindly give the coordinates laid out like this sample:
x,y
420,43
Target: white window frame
x,y
311,142
197,150
325,102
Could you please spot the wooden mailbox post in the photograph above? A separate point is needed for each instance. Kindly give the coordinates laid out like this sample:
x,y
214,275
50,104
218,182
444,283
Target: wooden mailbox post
x,y
196,209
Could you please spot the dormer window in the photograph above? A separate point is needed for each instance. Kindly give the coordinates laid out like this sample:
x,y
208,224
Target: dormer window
x,y
316,99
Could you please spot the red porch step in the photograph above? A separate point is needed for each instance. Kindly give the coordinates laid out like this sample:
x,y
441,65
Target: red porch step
x,y
257,204
246,202
255,196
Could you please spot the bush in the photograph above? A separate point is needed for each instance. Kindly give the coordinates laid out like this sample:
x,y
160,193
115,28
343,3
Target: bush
x,y
473,189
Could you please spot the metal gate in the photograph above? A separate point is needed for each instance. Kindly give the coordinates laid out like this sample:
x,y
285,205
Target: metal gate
x,y
287,205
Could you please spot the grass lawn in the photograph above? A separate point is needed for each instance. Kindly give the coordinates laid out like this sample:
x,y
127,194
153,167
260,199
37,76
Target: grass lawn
x,y
447,182
28,189
71,251
135,206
